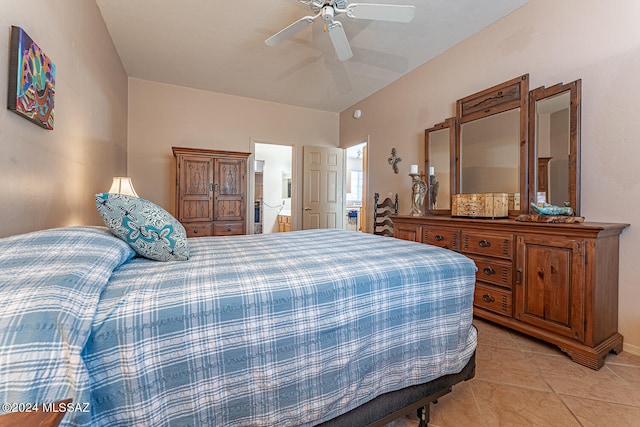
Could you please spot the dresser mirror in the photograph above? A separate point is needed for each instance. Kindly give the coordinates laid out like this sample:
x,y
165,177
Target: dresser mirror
x,y
490,154
554,156
440,165
492,145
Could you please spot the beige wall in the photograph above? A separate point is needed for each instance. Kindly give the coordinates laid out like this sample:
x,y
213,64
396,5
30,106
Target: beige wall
x,y
49,177
162,116
554,41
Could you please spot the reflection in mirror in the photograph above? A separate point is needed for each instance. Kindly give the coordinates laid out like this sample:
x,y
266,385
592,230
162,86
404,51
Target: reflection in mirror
x,y
552,139
490,154
439,173
286,185
492,148
555,156
439,150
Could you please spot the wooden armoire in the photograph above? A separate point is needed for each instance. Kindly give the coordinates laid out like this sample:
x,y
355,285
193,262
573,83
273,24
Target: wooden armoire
x,y
211,191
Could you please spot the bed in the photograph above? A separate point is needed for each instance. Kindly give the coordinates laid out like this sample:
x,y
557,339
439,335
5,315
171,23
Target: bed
x,y
286,329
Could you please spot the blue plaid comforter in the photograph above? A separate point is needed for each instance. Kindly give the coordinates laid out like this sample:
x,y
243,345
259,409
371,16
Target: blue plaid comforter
x,y
282,329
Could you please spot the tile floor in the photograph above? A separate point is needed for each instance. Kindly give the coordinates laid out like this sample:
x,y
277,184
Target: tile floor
x,y
521,381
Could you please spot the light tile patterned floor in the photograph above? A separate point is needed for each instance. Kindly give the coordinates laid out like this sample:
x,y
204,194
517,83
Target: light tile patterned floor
x,y
521,381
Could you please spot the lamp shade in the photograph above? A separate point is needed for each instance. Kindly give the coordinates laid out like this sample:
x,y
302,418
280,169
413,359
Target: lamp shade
x,y
123,185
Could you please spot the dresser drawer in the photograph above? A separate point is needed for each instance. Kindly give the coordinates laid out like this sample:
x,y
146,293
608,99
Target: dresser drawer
x,y
198,229
497,245
448,238
228,228
494,271
493,299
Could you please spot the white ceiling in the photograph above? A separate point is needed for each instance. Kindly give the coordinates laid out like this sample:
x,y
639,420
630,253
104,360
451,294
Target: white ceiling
x,y
219,46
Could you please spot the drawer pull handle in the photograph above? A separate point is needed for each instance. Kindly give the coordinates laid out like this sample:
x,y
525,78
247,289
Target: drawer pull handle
x,y
488,271
439,238
488,298
195,231
484,243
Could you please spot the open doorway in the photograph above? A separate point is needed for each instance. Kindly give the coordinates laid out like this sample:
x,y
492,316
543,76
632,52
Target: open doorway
x,y
356,187
272,188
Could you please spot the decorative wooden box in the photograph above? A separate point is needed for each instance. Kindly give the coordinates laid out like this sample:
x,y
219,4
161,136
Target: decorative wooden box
x,y
481,205
514,201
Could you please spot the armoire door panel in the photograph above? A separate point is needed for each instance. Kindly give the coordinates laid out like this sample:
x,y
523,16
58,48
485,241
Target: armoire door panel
x,y
197,177
229,177
229,210
196,210
229,189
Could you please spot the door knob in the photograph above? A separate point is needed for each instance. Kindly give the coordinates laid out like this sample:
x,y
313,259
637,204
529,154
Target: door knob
x,y
307,209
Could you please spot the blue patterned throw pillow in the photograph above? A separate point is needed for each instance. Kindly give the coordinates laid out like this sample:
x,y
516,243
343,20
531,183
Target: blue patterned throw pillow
x,y
150,230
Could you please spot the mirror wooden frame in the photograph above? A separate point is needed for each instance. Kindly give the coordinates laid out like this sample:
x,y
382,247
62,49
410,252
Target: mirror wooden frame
x,y
451,124
503,97
541,93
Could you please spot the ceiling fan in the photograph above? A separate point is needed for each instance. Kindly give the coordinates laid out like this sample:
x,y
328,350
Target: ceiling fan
x,y
329,9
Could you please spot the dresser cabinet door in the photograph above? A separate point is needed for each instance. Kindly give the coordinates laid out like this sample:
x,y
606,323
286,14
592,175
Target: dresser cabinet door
x,y
549,286
408,231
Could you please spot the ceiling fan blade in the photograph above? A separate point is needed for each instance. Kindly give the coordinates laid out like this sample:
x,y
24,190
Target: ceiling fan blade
x,y
291,30
340,41
381,12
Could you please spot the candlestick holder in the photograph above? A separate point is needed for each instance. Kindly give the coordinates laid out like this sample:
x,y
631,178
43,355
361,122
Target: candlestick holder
x,y
418,193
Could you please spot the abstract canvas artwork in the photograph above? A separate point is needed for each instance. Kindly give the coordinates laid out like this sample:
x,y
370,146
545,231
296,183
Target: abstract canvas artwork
x,y
32,80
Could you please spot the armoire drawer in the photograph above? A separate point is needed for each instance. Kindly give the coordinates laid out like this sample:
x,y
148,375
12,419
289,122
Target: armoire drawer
x,y
495,271
448,238
492,299
497,245
198,229
228,228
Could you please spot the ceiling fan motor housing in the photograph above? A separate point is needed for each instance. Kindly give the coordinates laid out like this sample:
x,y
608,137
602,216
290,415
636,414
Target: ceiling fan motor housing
x,y
327,14
318,5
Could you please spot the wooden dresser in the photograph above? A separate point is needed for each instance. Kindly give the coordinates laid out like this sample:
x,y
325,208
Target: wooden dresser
x,y
555,282
211,189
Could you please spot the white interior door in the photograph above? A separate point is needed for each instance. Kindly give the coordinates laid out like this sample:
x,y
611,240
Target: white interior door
x,y
322,199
